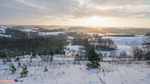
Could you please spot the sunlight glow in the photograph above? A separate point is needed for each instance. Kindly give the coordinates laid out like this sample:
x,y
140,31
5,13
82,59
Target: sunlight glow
x,y
95,21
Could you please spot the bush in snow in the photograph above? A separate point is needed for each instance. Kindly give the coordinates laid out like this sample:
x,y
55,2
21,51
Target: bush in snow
x,y
4,61
113,54
19,64
12,68
46,55
33,55
24,72
3,54
136,50
8,60
93,59
77,58
147,56
17,59
123,54
51,58
45,69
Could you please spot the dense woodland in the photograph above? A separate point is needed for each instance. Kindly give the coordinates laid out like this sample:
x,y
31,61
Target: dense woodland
x,y
22,44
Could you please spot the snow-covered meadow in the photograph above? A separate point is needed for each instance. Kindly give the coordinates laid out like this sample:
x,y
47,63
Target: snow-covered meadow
x,y
69,72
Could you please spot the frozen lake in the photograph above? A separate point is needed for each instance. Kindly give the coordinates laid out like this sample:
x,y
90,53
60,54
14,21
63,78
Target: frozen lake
x,y
123,44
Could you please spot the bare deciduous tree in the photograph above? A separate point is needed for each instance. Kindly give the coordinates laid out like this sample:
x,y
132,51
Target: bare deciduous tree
x,y
137,51
123,54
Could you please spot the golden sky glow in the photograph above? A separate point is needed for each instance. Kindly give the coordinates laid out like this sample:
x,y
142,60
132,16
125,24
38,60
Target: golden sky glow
x,y
120,13
95,21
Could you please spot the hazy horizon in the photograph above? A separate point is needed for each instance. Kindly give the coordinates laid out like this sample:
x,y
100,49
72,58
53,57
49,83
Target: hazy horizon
x,y
108,13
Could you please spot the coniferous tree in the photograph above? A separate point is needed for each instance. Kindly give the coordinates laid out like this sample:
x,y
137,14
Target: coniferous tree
x,y
24,72
12,68
93,59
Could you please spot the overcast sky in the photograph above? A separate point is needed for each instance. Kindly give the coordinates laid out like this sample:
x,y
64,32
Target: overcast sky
x,y
133,13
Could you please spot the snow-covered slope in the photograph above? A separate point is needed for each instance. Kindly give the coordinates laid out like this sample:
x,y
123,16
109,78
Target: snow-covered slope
x,y
68,73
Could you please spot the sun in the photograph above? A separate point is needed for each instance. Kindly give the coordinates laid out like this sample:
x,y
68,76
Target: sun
x,y
95,21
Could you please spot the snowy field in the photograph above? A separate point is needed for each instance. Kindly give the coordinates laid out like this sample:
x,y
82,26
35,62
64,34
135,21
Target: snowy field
x,y
68,72
72,50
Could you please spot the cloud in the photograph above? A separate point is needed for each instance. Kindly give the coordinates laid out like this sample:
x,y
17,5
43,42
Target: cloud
x,y
28,11
110,3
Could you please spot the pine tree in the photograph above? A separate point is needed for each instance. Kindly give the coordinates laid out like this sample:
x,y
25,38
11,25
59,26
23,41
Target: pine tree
x,y
24,72
12,68
93,59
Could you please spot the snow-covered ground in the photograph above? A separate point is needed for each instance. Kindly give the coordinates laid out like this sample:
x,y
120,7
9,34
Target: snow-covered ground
x,y
70,37
49,33
101,34
29,30
72,50
67,72
3,35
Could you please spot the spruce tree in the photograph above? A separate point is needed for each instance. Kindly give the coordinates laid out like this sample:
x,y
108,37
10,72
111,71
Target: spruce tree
x,y
12,68
24,72
93,59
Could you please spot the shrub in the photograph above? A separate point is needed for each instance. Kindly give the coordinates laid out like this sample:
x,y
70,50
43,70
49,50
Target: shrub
x,y
45,69
19,64
136,50
123,54
17,59
4,61
33,55
147,56
3,54
51,58
8,60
